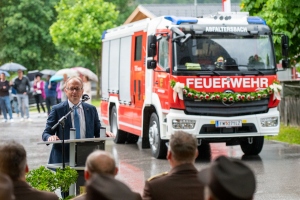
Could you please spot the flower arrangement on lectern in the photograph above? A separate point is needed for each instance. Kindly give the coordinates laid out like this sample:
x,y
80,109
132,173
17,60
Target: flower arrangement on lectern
x,y
48,180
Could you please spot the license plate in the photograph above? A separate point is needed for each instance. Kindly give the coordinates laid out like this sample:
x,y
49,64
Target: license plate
x,y
228,123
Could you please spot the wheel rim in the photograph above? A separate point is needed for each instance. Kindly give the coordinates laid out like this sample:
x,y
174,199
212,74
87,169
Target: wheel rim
x,y
114,127
153,136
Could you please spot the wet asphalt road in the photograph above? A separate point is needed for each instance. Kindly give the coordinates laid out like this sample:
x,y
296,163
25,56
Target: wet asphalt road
x,y
277,168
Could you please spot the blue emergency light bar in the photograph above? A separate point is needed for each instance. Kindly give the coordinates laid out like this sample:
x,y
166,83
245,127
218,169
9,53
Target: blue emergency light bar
x,y
256,20
181,20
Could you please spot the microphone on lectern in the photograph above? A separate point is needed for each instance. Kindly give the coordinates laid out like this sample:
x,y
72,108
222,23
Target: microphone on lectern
x,y
85,97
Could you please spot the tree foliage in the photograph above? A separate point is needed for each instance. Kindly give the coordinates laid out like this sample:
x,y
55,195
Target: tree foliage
x,y
282,16
125,8
24,32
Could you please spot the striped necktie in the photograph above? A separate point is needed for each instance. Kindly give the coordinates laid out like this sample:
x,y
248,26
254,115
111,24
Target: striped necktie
x,y
77,123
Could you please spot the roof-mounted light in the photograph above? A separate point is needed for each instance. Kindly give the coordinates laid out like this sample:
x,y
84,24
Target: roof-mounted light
x,y
256,20
181,20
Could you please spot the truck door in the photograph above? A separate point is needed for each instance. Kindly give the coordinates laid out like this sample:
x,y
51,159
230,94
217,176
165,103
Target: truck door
x,y
138,76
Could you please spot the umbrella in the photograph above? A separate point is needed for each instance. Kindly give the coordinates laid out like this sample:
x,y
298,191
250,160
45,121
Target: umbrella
x,y
31,74
13,67
70,72
56,78
5,72
50,72
87,72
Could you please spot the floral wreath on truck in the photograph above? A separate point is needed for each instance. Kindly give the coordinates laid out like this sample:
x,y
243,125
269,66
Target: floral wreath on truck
x,y
180,90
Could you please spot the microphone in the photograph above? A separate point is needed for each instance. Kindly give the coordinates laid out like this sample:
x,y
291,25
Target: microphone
x,y
85,97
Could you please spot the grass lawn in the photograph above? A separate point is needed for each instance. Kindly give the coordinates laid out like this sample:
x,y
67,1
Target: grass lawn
x,y
288,134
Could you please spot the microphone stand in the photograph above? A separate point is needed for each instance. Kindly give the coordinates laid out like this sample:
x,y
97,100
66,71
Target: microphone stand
x,y
61,122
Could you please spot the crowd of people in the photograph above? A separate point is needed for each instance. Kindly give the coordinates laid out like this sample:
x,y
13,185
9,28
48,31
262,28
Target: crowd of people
x,y
226,178
45,92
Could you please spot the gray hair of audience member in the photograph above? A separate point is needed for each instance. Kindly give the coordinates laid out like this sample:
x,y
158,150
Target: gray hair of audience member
x,y
13,160
6,188
100,162
183,147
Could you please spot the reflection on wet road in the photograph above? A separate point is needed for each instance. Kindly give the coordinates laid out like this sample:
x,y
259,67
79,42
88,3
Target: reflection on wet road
x,y
277,168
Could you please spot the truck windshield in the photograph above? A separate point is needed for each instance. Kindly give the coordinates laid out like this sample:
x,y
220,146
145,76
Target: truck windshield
x,y
225,53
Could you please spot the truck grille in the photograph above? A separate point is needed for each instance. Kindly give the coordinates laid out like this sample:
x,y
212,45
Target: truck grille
x,y
217,108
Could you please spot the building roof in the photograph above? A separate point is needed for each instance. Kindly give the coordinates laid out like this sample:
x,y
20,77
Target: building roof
x,y
183,10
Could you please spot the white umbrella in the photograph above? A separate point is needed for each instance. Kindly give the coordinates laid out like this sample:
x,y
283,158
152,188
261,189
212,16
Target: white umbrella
x,y
87,72
50,72
12,67
69,71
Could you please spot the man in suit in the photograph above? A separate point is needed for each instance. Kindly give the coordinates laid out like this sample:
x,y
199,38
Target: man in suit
x,y
100,171
182,181
14,164
228,178
89,123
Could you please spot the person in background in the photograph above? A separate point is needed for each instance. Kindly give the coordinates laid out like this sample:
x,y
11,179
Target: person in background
x,y
22,86
39,93
6,188
100,171
13,162
182,181
50,90
15,105
62,87
87,88
228,178
58,93
4,98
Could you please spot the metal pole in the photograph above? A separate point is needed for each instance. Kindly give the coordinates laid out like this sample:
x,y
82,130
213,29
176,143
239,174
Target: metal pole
x,y
195,3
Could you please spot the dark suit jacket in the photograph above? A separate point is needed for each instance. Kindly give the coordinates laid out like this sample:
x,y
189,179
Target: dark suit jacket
x,y
23,191
92,123
180,183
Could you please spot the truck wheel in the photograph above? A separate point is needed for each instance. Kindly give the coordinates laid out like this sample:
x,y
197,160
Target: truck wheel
x,y
254,148
121,136
158,146
132,139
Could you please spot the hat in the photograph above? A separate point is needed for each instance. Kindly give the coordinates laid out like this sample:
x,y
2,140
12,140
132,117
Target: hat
x,y
229,178
106,187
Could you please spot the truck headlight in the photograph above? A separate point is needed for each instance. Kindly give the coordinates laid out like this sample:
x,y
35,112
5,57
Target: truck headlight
x,y
269,122
183,124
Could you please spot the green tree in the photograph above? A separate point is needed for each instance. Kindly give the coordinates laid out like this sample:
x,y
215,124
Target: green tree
x,y
24,32
282,16
125,8
79,27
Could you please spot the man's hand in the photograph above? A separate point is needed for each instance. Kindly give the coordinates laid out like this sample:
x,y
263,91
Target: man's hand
x,y
109,134
53,138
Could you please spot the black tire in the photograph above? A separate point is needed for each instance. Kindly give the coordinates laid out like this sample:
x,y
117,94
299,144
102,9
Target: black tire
x,y
204,152
121,136
158,146
132,139
254,148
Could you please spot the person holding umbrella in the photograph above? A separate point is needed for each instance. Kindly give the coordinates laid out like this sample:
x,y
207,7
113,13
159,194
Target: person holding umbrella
x,y
22,86
4,98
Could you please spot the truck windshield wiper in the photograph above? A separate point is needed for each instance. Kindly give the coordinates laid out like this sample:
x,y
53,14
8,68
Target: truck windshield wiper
x,y
249,66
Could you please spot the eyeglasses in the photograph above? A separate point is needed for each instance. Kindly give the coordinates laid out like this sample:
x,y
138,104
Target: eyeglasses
x,y
72,89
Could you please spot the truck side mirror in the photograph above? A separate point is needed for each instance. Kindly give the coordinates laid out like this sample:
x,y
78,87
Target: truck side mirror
x,y
285,63
285,45
151,64
152,45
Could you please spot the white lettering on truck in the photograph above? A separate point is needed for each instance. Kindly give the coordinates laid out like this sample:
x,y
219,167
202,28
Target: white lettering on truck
x,y
227,83
226,29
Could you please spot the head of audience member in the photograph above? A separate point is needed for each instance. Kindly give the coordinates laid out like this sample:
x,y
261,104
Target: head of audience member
x,y
228,178
20,74
182,149
74,89
2,76
6,188
100,162
37,77
13,161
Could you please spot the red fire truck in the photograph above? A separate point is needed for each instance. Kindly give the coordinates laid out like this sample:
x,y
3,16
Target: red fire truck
x,y
213,77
